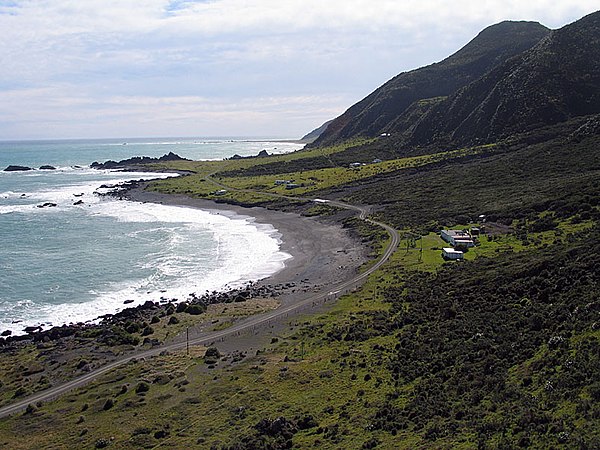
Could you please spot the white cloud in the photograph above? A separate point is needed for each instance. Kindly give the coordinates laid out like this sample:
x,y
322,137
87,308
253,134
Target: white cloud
x,y
84,54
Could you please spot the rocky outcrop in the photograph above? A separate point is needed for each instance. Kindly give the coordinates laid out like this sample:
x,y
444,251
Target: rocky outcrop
x,y
13,168
46,167
136,161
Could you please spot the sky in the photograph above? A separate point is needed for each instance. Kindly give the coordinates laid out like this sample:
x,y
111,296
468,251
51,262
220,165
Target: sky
x,y
278,68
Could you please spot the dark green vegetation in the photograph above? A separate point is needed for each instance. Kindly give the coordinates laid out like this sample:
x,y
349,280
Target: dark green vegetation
x,y
512,180
505,350
497,352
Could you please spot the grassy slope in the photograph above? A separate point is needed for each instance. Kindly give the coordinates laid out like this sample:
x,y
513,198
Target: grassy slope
x,y
422,356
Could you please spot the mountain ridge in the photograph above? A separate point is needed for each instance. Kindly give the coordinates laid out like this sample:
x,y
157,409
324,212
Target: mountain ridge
x,y
379,111
554,81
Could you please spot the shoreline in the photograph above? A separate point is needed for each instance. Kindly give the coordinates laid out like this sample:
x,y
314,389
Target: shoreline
x,y
240,322
315,261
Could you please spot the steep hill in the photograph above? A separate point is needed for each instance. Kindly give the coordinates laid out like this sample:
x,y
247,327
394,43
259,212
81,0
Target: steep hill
x,y
556,80
314,134
379,111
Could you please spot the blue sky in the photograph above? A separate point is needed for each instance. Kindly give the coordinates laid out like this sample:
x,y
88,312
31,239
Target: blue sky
x,y
127,68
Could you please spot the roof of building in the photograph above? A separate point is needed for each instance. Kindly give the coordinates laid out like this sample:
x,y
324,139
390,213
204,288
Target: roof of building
x,y
455,232
451,250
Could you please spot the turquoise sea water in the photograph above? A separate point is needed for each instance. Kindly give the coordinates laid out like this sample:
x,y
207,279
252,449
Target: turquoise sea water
x,y
73,263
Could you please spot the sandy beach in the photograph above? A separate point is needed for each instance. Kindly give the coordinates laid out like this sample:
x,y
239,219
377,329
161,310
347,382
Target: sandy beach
x,y
322,255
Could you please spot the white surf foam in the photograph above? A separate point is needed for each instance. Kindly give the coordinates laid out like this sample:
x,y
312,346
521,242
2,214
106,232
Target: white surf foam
x,y
242,251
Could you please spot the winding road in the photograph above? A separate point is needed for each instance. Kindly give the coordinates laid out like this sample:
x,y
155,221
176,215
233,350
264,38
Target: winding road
x,y
210,337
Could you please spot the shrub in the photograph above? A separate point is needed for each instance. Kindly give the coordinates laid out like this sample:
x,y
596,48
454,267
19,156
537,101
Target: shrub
x,y
212,355
142,387
195,309
108,404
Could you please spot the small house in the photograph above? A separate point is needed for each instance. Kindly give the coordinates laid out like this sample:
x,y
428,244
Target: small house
x,y
457,237
221,192
450,253
289,186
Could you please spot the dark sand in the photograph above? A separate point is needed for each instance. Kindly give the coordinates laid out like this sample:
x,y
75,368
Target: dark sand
x,y
322,256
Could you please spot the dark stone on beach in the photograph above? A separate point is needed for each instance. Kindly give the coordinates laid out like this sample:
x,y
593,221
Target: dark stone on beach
x,y
6,333
78,202
236,156
263,154
127,302
47,168
148,305
152,342
47,205
32,329
17,168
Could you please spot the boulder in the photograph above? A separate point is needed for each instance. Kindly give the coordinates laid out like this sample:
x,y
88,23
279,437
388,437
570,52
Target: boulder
x,y
47,168
47,205
32,329
17,168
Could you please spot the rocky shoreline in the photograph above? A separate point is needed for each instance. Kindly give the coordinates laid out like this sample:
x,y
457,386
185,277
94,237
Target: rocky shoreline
x,y
144,314
307,271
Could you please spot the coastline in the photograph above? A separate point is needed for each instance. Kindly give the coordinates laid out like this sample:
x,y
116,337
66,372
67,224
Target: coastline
x,y
240,322
315,262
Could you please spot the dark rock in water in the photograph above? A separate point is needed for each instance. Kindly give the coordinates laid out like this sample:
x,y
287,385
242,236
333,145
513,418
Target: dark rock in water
x,y
78,195
32,329
17,168
47,205
6,333
127,302
78,202
136,161
47,168
262,154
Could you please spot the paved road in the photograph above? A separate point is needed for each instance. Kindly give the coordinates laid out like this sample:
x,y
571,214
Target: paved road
x,y
210,337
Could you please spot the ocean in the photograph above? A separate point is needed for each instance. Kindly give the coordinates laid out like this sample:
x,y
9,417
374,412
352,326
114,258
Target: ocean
x,y
72,263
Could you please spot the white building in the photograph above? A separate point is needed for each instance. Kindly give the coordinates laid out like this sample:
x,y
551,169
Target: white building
x,y
457,237
450,253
